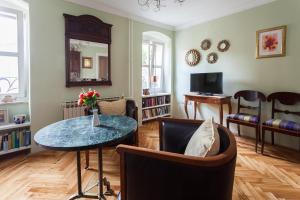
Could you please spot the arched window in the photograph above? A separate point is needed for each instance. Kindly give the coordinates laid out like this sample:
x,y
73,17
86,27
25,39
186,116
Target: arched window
x,y
155,61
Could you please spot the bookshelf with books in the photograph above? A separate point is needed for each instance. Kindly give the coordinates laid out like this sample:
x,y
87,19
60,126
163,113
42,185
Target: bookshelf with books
x,y
15,138
155,106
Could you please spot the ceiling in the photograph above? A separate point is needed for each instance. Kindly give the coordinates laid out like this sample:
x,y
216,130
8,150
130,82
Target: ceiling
x,y
174,16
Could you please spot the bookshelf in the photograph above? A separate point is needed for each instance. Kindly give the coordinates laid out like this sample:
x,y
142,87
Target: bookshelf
x,y
155,106
14,138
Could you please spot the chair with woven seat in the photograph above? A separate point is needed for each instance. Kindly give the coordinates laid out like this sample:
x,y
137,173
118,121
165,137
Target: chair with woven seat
x,y
277,125
248,119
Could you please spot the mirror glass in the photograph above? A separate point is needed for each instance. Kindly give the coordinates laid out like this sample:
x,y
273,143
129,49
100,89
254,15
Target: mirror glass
x,y
88,61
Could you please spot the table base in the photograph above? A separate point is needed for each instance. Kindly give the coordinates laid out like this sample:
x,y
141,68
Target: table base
x,y
101,181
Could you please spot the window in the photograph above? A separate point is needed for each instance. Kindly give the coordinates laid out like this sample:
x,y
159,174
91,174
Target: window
x,y
152,66
11,53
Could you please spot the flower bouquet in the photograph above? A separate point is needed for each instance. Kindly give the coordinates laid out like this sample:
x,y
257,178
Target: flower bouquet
x,y
89,99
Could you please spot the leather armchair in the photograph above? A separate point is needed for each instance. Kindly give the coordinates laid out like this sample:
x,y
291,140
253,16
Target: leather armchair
x,y
168,174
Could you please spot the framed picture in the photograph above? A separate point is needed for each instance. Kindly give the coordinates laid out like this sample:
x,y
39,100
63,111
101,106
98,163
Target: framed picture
x,y
3,116
87,62
271,42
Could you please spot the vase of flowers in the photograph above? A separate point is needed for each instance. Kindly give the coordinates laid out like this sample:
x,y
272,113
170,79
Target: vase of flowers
x,y
89,99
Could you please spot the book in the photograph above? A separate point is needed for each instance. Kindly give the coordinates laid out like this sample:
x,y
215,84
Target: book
x,y
17,139
5,143
9,141
21,138
1,146
13,140
27,138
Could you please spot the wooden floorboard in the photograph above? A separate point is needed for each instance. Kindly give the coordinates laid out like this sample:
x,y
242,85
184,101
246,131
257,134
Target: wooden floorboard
x,y
51,175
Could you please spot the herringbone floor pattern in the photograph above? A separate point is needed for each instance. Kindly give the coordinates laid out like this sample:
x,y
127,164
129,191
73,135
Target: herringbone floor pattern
x,y
51,175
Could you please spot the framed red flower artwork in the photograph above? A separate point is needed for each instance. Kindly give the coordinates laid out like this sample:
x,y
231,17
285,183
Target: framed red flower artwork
x,y
271,42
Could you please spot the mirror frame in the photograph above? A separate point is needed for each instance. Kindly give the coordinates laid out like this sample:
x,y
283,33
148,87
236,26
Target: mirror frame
x,y
86,28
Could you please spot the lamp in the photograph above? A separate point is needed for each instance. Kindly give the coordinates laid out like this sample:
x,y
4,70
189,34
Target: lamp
x,y
155,4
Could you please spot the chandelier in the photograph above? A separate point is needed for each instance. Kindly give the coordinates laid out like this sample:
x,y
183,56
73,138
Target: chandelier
x,y
155,4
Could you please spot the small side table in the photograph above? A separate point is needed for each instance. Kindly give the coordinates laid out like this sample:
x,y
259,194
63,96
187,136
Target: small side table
x,y
78,134
198,99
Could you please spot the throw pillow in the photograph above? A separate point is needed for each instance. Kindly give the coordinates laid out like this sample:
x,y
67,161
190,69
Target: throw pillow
x,y
113,107
205,141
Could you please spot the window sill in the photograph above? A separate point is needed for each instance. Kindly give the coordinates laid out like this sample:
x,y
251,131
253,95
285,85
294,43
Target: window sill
x,y
13,103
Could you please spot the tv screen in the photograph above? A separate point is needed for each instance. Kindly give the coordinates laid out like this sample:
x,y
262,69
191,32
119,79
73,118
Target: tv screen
x,y
207,83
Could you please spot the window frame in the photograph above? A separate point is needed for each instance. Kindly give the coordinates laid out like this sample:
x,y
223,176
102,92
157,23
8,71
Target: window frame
x,y
20,54
151,67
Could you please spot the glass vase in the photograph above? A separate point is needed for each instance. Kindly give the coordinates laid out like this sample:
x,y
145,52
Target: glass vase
x,y
96,120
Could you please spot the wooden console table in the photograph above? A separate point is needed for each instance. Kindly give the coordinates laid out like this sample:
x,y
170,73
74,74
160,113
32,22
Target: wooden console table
x,y
197,99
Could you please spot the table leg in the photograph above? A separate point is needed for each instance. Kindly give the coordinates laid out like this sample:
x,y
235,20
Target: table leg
x,y
229,108
195,110
80,194
79,174
221,114
186,108
100,174
87,159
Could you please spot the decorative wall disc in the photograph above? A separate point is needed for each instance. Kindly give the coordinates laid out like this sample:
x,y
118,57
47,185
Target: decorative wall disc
x,y
212,58
206,44
223,45
193,57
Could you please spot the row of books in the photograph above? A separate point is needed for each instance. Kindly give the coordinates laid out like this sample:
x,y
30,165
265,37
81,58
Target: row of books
x,y
150,113
15,139
154,101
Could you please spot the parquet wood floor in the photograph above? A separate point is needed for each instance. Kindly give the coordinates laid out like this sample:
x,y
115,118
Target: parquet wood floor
x,y
51,175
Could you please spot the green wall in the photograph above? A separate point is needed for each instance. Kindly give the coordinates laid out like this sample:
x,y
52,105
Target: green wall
x,y
240,67
47,70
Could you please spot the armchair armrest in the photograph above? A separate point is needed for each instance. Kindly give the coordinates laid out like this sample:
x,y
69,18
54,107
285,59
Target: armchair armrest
x,y
131,109
174,134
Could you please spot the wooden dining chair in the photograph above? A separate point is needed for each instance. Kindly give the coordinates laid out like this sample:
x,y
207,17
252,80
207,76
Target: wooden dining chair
x,y
278,125
246,119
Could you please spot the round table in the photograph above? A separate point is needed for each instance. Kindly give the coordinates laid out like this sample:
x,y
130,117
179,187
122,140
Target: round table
x,y
78,134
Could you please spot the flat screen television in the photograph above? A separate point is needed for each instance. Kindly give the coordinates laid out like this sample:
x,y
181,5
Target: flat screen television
x,y
207,83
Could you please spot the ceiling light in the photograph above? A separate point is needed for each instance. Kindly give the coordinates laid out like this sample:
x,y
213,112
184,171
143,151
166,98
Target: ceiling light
x,y
155,4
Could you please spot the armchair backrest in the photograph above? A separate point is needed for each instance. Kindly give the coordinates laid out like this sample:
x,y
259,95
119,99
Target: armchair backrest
x,y
285,98
251,96
174,134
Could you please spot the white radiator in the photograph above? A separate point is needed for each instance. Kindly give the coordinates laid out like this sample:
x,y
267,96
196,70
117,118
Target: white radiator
x,y
72,110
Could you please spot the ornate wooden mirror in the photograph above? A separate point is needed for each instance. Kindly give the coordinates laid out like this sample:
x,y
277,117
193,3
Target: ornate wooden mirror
x,y
87,41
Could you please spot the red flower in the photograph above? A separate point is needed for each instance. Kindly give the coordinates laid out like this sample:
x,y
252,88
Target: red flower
x,y
80,102
88,99
81,96
90,93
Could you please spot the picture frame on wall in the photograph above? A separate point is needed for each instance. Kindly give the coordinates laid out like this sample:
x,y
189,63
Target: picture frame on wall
x,y
87,62
3,116
271,42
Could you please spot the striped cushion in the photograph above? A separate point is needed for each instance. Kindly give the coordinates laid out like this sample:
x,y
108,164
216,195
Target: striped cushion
x,y
244,117
284,124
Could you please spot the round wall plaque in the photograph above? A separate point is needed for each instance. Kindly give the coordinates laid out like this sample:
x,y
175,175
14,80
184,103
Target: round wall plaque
x,y
193,57
223,45
206,44
212,58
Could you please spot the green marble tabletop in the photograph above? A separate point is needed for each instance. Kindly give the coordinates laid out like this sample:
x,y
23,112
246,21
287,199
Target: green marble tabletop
x,y
79,134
